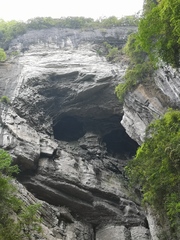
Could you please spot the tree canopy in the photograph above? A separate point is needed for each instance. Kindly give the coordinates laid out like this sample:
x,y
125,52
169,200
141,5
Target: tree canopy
x,y
11,29
159,31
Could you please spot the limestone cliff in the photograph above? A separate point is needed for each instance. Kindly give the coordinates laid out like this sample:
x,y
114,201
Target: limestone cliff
x,y
150,101
63,130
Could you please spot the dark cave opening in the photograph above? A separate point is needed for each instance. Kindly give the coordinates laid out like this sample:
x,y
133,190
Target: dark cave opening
x,y
119,144
68,129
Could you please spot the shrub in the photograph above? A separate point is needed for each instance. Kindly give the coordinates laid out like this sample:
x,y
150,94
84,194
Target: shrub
x,y
5,99
26,220
140,67
156,168
2,55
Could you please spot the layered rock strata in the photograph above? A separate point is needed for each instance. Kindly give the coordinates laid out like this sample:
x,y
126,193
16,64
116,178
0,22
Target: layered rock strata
x,y
63,130
150,100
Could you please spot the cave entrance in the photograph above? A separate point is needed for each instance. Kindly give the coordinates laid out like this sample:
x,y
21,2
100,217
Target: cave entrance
x,y
68,129
119,144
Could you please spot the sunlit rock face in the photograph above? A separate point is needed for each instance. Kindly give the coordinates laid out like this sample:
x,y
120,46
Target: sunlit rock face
x,y
63,130
150,100
141,106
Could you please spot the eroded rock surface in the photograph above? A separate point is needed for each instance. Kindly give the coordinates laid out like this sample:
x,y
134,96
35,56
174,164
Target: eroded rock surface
x,y
149,101
63,129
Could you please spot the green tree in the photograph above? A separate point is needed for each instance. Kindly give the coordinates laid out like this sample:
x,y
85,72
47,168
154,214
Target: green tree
x,y
8,202
140,68
2,55
159,31
16,219
29,221
110,22
10,30
5,99
156,168
158,37
109,51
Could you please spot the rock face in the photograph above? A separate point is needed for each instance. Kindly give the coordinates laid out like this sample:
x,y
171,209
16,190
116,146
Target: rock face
x,y
150,101
63,130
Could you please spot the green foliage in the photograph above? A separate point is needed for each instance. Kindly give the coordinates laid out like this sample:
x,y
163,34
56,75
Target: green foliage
x,y
10,30
113,53
15,53
16,220
156,168
81,22
8,203
115,22
29,221
158,37
9,230
110,51
5,99
69,22
109,22
159,31
140,68
5,164
131,20
2,55
134,50
123,88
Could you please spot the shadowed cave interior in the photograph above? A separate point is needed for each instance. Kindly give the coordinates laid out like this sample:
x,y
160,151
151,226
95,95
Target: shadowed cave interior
x,y
68,129
111,132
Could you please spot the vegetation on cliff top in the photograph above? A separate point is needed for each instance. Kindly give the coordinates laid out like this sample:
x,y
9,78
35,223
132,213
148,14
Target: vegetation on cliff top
x,y
157,39
10,30
2,55
17,221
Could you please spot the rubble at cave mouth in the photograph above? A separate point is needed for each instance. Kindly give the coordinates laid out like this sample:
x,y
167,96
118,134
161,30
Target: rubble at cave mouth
x,y
115,140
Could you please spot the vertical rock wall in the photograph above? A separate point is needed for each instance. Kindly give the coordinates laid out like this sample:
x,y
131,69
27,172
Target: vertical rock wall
x,y
63,130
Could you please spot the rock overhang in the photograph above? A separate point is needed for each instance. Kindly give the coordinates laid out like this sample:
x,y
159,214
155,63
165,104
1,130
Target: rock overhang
x,y
108,130
67,91
63,79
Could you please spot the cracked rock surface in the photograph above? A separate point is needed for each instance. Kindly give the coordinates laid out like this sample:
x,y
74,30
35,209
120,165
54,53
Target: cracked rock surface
x,y
63,130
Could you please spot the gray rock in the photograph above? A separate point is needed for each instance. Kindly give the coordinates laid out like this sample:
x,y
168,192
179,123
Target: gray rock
x,y
113,232
141,106
139,233
63,129
150,101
